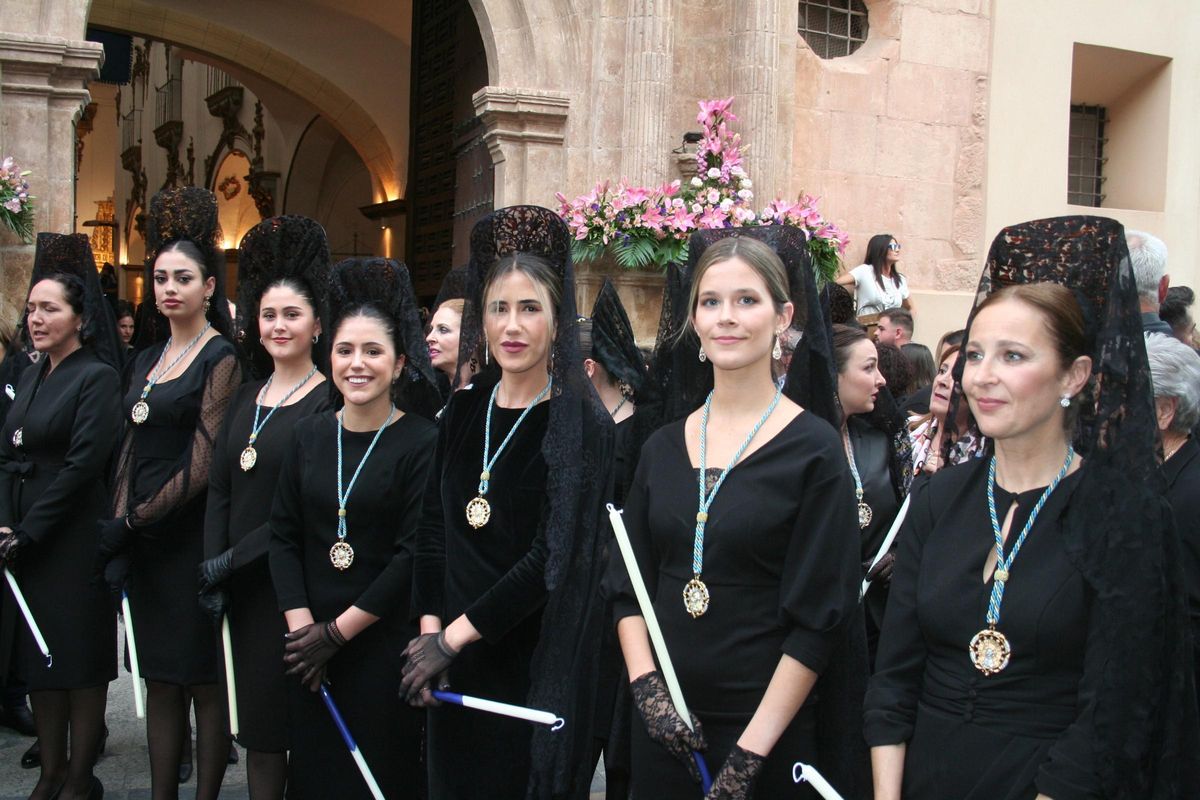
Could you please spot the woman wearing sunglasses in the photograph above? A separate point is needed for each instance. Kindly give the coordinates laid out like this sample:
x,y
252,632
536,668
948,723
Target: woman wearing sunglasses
x,y
878,285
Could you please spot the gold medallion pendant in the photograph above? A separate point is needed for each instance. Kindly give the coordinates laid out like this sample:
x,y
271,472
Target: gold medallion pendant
x,y
864,515
341,555
695,597
248,458
140,412
990,651
479,511
18,437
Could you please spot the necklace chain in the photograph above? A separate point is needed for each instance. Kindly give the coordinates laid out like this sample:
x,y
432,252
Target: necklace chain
x,y
343,497
1004,565
486,475
254,431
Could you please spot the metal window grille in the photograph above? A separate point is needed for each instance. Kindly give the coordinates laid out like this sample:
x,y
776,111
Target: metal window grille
x,y
218,80
131,128
1085,156
833,28
168,105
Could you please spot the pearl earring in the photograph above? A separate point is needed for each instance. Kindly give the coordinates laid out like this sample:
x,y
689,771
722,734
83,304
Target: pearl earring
x,y
1065,401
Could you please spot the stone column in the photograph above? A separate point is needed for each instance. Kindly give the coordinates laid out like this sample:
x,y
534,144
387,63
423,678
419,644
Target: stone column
x,y
524,131
43,88
649,62
758,38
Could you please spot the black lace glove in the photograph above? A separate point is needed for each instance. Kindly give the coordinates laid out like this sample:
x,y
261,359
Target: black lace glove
x,y
10,544
112,559
214,574
735,781
309,649
663,723
882,572
427,657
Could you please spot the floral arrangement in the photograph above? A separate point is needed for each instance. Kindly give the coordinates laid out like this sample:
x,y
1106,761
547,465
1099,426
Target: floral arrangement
x,y
16,203
644,227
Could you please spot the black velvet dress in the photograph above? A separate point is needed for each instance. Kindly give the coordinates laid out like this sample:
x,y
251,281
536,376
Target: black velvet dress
x,y
872,456
162,484
1010,735
238,516
782,565
364,676
52,488
1183,492
494,575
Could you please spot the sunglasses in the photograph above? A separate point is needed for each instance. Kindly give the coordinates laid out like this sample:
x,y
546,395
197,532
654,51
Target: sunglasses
x,y
894,246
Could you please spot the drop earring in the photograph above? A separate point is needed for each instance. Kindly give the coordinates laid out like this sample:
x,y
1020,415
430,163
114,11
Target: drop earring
x,y
702,356
486,352
1065,401
207,304
777,351
315,338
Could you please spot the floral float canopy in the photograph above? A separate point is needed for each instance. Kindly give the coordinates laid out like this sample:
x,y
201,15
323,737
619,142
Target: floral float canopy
x,y
644,227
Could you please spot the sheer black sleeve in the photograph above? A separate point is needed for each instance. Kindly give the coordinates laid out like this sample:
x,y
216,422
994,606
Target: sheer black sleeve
x,y
216,512
891,704
287,529
190,476
93,435
393,588
822,568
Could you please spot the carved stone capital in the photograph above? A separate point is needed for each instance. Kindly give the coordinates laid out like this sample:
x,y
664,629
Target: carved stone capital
x,y
524,131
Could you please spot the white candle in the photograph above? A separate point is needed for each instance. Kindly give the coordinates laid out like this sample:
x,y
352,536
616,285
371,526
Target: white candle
x,y
139,706
230,685
887,543
33,626
503,709
808,773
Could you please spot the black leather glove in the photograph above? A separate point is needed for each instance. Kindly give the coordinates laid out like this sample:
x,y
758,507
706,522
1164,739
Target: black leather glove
x,y
10,544
427,657
736,779
309,649
663,723
214,574
881,572
112,561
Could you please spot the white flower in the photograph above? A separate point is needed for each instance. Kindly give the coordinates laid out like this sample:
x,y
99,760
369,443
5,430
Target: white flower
x,y
767,213
726,203
745,194
677,202
697,208
737,172
714,196
746,183
697,182
713,172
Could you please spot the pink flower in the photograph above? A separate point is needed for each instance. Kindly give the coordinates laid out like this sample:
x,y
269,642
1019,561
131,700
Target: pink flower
x,y
14,205
653,217
682,220
713,217
714,196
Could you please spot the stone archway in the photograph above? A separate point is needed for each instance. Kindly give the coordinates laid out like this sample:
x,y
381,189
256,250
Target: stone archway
x,y
226,45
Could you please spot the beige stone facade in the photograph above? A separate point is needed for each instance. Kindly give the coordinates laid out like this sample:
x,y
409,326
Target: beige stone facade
x,y
947,123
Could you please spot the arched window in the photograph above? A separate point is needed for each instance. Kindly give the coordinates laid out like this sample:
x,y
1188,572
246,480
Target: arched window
x,y
833,28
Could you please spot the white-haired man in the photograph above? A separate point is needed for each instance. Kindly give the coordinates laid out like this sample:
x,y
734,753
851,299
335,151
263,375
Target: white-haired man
x,y
1148,256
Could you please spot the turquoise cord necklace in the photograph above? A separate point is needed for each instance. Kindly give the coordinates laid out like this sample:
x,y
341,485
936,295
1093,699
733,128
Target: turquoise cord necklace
x,y
341,554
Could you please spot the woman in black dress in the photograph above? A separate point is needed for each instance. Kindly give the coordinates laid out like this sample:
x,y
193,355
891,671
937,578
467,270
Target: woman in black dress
x,y
1034,640
1175,370
343,523
876,444
283,276
507,570
55,447
755,586
175,402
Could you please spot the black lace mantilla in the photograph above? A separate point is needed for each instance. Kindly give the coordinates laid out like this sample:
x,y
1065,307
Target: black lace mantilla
x,y
1119,529
613,342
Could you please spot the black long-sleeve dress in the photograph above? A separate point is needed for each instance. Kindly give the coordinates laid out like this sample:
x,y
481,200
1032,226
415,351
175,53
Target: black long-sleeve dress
x,y
781,561
364,676
52,489
238,517
1183,492
1010,735
162,484
494,575
872,457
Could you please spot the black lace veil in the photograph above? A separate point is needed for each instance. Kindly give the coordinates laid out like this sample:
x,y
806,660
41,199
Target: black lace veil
x,y
287,247
1119,529
578,451
71,254
613,342
385,285
187,214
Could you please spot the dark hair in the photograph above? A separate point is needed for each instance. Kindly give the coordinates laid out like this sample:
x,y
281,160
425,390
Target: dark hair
x,y
951,338
895,369
537,269
186,247
877,250
841,304
370,310
125,309
297,285
844,339
1174,309
901,318
72,288
920,360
